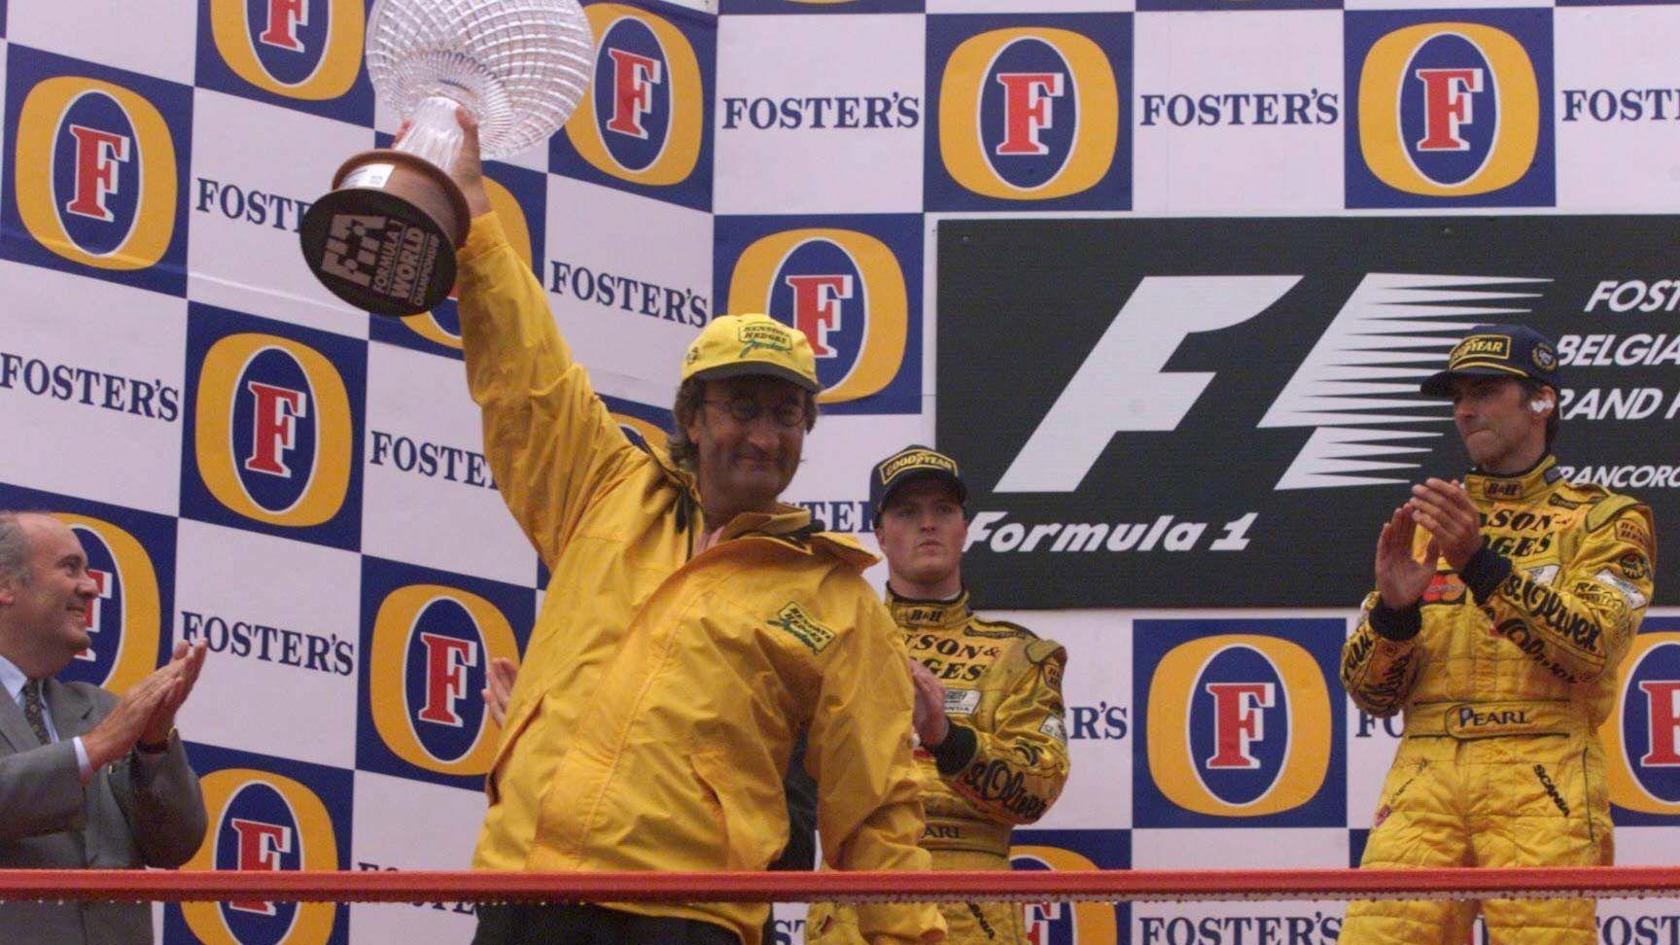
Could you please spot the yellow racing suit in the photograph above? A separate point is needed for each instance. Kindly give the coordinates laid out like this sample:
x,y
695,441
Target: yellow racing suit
x,y
663,688
1504,671
1003,763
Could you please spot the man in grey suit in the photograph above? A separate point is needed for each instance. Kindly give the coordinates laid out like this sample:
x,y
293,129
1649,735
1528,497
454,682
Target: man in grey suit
x,y
87,779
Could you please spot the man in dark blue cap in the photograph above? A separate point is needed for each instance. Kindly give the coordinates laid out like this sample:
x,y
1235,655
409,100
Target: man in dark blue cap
x,y
1504,604
988,698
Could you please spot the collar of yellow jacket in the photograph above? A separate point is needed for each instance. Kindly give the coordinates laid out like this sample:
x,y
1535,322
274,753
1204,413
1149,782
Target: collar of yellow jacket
x,y
788,522
910,612
1524,485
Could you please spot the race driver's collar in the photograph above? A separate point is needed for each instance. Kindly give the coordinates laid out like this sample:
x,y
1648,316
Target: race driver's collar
x,y
910,612
1528,484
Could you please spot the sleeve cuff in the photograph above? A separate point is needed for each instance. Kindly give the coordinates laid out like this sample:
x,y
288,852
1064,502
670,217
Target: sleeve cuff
x,y
484,236
1398,625
1484,572
83,766
956,751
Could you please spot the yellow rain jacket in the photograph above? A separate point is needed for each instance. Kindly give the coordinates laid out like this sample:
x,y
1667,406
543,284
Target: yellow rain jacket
x,y
662,690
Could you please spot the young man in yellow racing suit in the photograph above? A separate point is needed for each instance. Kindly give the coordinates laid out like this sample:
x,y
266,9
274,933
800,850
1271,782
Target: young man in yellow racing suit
x,y
1503,607
994,749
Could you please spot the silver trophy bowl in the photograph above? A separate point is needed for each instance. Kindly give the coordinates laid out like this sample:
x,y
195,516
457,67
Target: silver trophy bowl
x,y
384,239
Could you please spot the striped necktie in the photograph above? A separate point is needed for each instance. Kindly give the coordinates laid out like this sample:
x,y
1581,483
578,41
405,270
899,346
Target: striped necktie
x,y
32,710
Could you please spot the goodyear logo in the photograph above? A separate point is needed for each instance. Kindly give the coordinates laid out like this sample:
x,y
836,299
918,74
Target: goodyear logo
x,y
1240,725
1481,348
643,119
845,290
1070,923
1642,734
125,622
1450,110
308,50
1032,114
432,647
273,430
95,172
916,459
260,820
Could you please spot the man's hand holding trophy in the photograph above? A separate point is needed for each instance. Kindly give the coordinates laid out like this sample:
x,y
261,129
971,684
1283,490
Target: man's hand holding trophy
x,y
384,239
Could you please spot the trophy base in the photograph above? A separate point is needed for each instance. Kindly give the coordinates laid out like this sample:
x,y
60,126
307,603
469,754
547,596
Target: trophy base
x,y
384,239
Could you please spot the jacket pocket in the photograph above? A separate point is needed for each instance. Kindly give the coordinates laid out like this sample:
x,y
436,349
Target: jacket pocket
x,y
752,818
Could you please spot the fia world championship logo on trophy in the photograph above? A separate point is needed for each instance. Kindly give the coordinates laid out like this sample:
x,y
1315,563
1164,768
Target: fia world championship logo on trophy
x,y
384,239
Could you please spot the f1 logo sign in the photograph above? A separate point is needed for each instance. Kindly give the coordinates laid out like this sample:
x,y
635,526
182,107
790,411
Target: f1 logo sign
x,y
1236,721
1447,104
1125,367
1027,109
447,659
97,155
260,846
284,18
634,77
275,431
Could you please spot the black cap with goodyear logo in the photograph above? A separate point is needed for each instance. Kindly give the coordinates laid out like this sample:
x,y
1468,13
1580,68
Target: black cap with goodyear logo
x,y
1498,351
908,465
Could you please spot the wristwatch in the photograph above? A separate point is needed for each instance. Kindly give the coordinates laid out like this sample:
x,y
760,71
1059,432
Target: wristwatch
x,y
155,748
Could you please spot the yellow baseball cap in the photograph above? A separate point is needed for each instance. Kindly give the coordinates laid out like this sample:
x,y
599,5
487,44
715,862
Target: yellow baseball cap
x,y
742,345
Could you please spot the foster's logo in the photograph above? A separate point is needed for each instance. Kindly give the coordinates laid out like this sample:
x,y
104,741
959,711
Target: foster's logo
x,y
1029,114
642,119
432,646
125,620
844,290
1644,774
1070,923
96,174
260,820
274,437
1450,110
1239,726
298,49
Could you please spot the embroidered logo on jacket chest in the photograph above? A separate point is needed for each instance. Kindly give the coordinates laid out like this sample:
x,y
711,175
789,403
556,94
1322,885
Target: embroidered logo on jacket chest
x,y
804,628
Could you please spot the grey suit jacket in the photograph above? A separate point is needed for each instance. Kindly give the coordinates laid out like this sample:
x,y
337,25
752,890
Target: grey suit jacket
x,y
121,819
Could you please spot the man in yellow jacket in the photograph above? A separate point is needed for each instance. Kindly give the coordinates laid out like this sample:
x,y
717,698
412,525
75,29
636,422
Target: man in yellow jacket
x,y
692,627
1503,606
